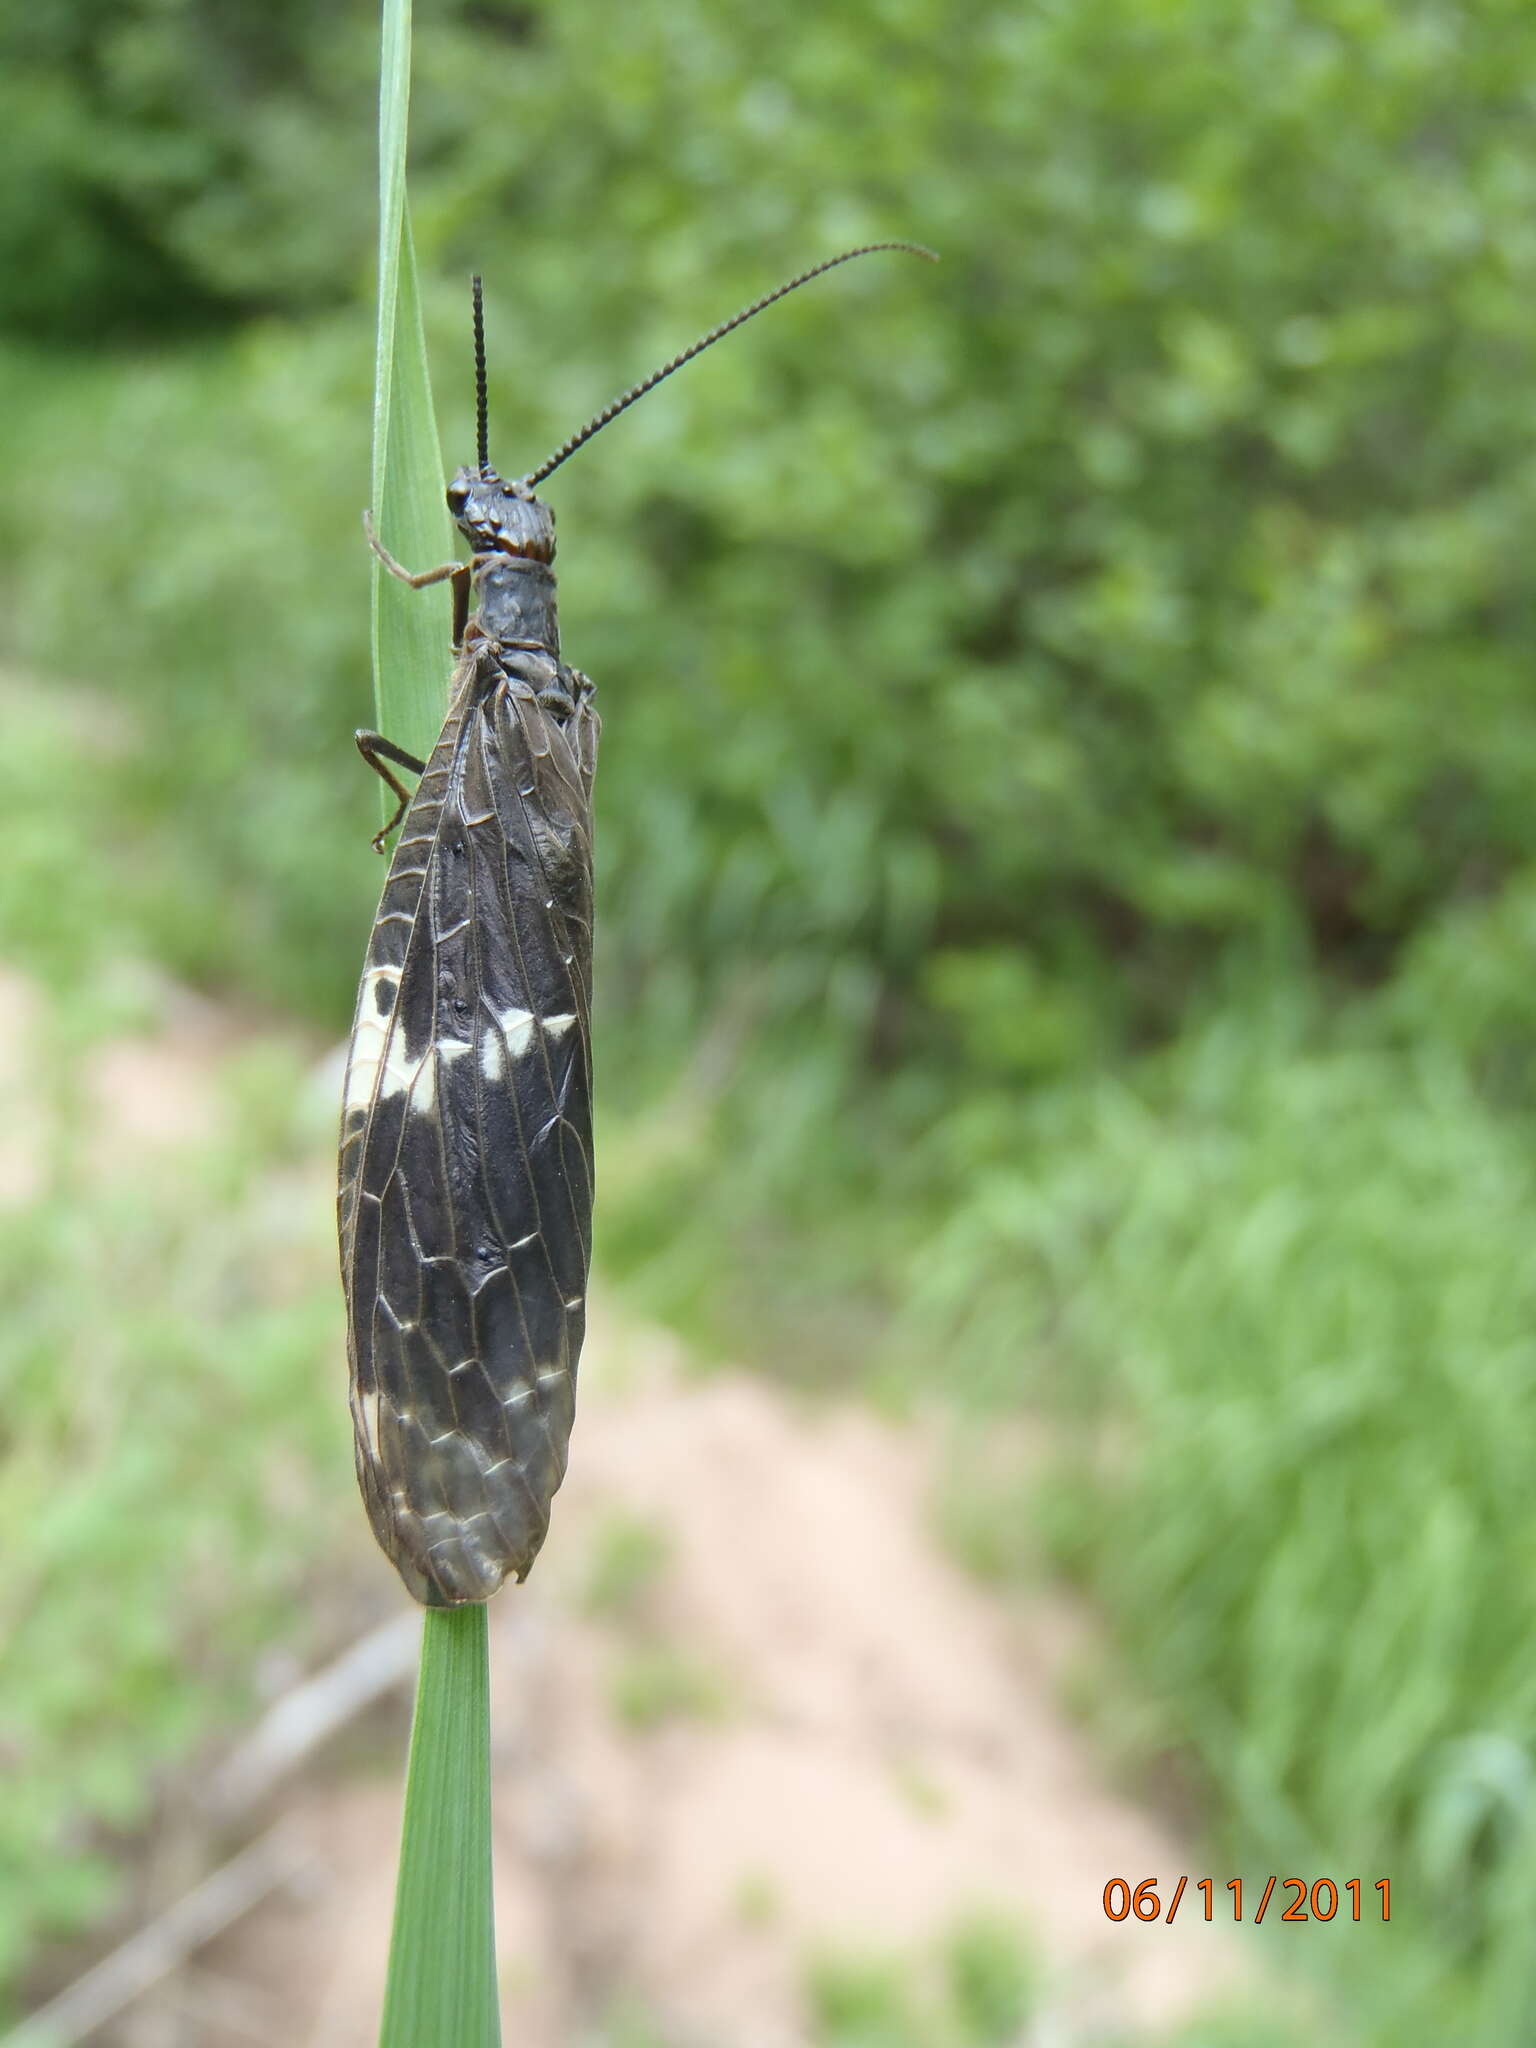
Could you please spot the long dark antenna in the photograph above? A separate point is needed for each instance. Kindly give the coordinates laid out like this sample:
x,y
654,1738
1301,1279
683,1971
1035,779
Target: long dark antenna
x,y
482,425
627,399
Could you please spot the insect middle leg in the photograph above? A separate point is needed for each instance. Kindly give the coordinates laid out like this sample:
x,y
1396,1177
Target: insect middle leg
x,y
376,750
458,572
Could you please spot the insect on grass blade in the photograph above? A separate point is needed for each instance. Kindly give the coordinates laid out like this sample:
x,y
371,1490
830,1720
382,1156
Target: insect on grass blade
x,y
465,1200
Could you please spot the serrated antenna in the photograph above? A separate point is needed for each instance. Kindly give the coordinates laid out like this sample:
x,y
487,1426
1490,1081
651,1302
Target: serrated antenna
x,y
482,415
627,399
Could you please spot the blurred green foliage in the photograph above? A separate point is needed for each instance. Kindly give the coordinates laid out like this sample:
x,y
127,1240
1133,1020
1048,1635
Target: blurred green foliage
x,y
169,1478
978,1992
1000,652
1068,858
629,1560
1300,1339
654,1683
164,163
990,1980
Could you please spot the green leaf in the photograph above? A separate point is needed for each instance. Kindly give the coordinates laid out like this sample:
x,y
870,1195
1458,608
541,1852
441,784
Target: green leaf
x,y
442,1959
442,1962
410,627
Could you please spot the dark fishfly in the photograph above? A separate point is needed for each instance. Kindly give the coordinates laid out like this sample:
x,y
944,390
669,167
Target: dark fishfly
x,y
465,1199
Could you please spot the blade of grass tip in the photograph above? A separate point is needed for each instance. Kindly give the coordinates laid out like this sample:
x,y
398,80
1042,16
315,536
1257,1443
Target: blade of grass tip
x,y
442,1965
410,627
441,1984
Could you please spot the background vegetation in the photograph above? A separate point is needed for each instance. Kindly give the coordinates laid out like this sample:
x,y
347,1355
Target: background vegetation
x,y
1068,857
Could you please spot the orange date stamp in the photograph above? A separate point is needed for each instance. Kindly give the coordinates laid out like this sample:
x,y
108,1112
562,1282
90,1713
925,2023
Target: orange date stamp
x,y
1321,1899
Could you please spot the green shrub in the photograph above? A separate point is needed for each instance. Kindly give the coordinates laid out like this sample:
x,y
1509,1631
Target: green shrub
x,y
1279,1299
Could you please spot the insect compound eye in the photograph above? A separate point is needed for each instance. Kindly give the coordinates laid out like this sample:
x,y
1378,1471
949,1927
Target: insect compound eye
x,y
458,497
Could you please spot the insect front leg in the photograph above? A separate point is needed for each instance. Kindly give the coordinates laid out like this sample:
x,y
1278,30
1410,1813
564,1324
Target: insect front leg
x,y
458,572
376,750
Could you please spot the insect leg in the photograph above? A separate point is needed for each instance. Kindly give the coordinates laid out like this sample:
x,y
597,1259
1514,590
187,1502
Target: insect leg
x,y
460,573
376,750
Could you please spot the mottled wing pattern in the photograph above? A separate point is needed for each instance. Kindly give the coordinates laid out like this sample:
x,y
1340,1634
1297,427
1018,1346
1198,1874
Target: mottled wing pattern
x,y
466,1156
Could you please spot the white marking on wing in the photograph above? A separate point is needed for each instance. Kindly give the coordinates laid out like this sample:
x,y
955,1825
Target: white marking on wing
x,y
423,1085
555,1026
398,1072
493,1063
517,1029
362,1072
370,1036
368,1072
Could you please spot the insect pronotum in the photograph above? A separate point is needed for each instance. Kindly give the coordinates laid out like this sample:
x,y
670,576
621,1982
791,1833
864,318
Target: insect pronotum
x,y
465,1201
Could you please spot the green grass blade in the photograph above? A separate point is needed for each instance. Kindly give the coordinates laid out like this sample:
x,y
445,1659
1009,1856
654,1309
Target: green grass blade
x,y
410,627
442,1961
441,1985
